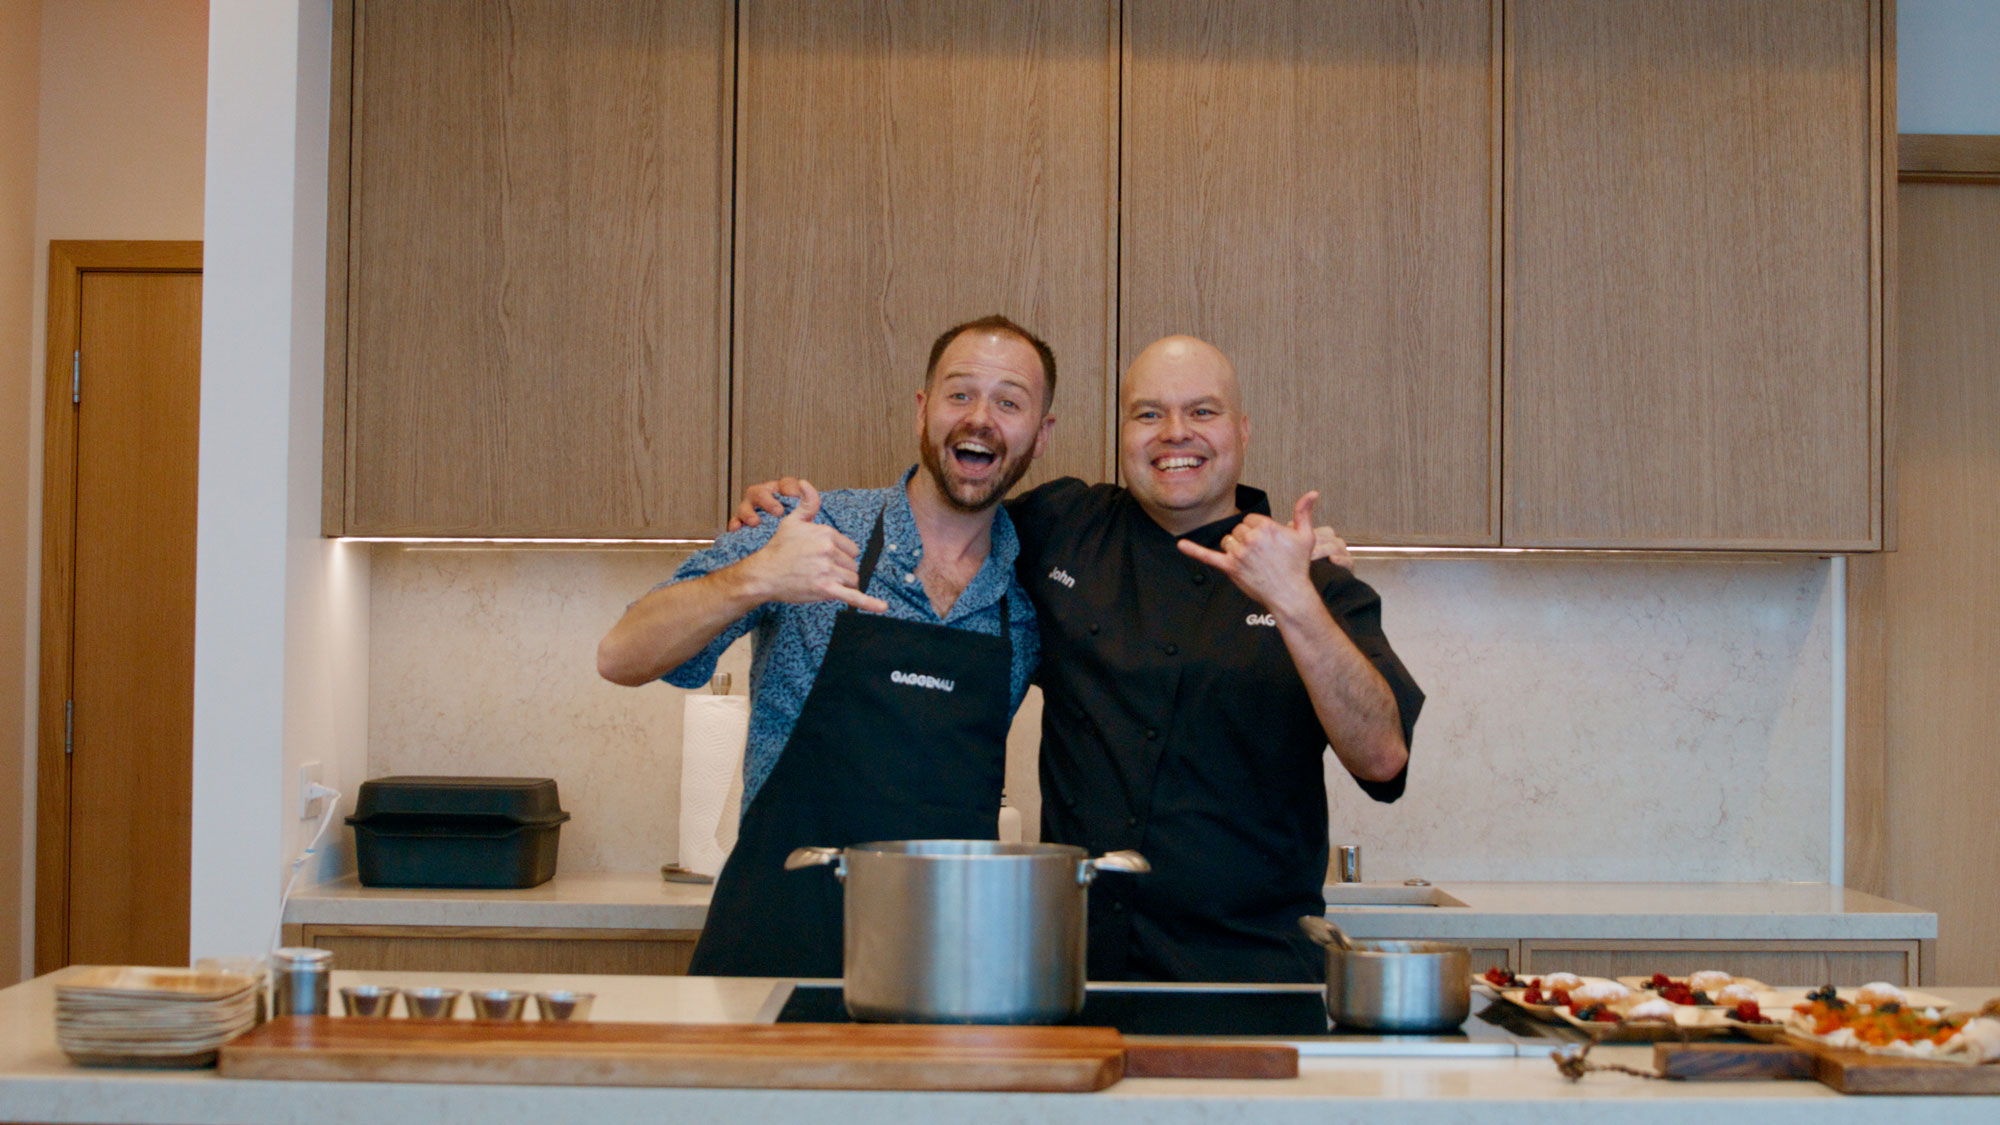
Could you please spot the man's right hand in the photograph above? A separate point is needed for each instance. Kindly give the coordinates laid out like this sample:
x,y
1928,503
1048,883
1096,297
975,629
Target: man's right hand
x,y
807,562
764,498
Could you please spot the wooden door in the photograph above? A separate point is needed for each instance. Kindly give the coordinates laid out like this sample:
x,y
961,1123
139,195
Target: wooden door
x,y
1924,655
1312,188
903,165
1693,319
530,337
117,694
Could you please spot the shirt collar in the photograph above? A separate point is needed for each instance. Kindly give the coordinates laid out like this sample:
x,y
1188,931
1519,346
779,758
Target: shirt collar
x,y
899,528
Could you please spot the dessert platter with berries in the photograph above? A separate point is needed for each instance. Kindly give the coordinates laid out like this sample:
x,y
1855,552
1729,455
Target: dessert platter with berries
x,y
1606,1010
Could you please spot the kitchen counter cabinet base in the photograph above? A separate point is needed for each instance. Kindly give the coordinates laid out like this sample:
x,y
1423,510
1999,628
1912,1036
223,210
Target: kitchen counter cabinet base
x,y
501,949
1777,962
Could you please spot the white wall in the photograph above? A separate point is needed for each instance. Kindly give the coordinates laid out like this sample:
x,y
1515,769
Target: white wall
x,y
275,605
20,77
116,153
1948,66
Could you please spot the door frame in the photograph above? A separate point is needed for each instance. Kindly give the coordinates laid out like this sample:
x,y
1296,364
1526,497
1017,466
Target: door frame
x,y
69,260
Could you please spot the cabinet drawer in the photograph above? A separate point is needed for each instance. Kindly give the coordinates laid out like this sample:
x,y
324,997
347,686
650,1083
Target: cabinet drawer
x,y
496,949
1774,962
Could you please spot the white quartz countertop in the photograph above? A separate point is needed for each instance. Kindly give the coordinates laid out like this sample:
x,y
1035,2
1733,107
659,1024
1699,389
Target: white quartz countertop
x,y
38,1084
1612,911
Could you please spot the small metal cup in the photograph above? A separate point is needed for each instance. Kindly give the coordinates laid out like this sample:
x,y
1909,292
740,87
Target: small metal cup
x,y
369,1000
498,1003
1347,863
564,1005
431,1003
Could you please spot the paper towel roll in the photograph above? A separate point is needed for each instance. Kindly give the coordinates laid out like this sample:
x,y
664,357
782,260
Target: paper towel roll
x,y
713,732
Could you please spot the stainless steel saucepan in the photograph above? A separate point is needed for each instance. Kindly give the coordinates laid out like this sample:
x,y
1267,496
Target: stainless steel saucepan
x,y
1405,986
964,931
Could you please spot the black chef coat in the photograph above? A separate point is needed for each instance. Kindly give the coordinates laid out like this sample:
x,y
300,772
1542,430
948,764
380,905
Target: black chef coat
x,y
1175,723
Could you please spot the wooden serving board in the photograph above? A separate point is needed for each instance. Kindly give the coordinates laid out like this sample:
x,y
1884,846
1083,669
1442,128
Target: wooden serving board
x,y
1850,1072
766,1056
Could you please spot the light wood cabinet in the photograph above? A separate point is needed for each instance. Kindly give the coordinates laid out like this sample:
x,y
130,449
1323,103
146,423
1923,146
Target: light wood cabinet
x,y
904,165
530,276
1782,963
1694,274
503,949
1551,273
1313,188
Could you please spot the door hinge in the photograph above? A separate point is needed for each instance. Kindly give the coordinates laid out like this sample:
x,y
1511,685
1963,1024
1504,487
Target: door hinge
x,y
69,725
76,377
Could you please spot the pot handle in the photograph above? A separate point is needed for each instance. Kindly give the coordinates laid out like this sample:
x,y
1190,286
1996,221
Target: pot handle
x,y
1325,933
1129,862
818,857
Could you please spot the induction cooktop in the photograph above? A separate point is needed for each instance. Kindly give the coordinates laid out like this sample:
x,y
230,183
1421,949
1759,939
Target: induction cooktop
x,y
1294,1014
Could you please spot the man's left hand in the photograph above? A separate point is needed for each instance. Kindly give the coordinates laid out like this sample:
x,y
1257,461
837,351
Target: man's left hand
x,y
1266,559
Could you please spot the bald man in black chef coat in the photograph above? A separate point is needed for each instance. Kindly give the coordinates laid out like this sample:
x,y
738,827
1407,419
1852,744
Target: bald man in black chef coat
x,y
1197,663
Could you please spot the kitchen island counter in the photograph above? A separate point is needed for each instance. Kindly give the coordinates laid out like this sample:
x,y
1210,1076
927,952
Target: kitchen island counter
x,y
38,1084
1608,911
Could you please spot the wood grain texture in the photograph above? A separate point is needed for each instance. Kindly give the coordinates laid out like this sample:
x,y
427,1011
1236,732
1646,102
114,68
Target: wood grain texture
x,y
904,165
1692,274
1948,158
538,268
1709,1062
465,949
762,1056
1782,963
1866,744
1172,1058
69,261
1312,188
1940,592
131,617
1852,1072
333,417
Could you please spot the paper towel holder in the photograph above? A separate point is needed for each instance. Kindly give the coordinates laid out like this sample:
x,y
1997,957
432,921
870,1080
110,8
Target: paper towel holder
x,y
718,684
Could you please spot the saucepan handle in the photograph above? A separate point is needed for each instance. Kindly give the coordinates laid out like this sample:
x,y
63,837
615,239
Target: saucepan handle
x,y
1129,862
818,857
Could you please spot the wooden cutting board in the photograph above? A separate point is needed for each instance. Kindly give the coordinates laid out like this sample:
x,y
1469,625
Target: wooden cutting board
x,y
1850,1072
767,1056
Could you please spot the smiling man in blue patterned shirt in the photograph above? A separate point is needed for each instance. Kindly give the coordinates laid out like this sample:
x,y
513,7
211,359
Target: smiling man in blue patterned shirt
x,y
893,646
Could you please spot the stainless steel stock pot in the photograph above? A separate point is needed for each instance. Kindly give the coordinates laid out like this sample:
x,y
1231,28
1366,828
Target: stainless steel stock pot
x,y
964,931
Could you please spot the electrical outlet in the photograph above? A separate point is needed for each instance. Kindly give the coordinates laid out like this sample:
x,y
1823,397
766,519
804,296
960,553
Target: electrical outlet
x,y
309,805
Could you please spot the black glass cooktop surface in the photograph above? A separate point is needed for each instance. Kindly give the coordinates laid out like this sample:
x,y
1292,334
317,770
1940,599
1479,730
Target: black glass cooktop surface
x,y
1292,1014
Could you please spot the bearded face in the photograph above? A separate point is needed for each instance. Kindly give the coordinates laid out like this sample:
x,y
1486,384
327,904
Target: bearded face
x,y
982,419
973,464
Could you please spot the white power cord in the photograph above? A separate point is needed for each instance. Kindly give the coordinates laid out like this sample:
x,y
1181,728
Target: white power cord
x,y
314,792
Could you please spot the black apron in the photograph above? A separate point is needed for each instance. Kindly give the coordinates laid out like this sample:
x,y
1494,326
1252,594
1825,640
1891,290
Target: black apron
x,y
903,737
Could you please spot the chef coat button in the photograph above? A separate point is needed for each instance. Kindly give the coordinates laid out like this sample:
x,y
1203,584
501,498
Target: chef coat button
x,y
1093,630
1118,908
1131,822
909,578
1200,577
1151,734
892,546
1173,650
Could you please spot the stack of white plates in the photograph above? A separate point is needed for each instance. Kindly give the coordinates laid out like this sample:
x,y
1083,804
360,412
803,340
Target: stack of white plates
x,y
132,1016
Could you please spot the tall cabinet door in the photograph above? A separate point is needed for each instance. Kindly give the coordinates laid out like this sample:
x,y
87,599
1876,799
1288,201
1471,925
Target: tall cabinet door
x,y
1311,187
903,165
1693,274
537,267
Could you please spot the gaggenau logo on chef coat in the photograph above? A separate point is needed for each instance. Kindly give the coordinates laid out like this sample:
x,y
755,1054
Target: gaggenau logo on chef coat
x,y
918,679
1261,619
